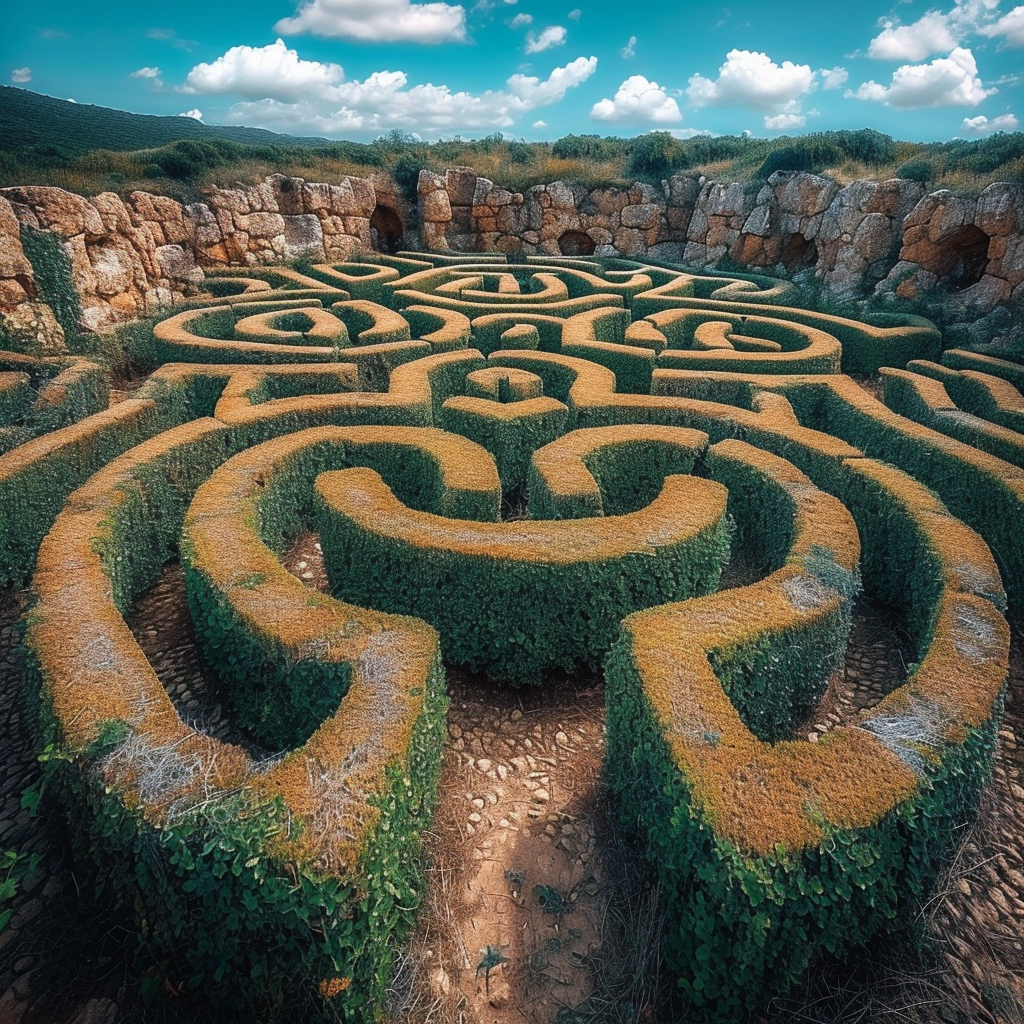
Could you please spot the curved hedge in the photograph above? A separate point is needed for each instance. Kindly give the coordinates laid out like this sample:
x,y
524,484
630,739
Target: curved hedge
x,y
516,599
768,853
271,885
279,885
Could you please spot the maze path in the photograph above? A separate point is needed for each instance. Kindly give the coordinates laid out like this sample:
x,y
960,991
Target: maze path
x,y
661,396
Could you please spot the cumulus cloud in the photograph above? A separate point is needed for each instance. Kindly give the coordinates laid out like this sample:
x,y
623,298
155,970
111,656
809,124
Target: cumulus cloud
x,y
575,14
834,78
553,35
945,82
929,34
539,124
629,50
939,32
21,75
273,72
981,125
751,79
378,21
536,93
195,113
638,100
521,20
1010,28
383,100
783,122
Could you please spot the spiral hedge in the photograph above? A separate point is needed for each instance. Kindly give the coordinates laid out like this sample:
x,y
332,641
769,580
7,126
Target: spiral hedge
x,y
521,469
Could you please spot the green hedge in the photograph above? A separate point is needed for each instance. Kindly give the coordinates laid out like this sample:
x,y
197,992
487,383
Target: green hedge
x,y
744,926
277,697
744,929
225,911
16,395
983,394
511,433
37,477
515,599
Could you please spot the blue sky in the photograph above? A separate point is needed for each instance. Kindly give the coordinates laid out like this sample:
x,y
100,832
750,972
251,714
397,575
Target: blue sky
x,y
532,69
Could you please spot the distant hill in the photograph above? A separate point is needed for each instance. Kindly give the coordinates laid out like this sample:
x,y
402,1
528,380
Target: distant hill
x,y
30,119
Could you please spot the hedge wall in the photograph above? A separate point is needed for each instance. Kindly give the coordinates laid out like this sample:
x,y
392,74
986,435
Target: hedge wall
x,y
517,599
275,889
770,855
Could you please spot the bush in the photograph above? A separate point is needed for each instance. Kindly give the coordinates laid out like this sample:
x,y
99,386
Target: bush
x,y
406,173
654,156
811,154
917,170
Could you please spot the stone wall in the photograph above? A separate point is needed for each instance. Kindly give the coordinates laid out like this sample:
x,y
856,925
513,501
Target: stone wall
x,y
866,237
135,255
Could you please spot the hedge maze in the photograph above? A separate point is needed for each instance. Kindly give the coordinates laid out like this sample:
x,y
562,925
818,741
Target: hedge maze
x,y
524,469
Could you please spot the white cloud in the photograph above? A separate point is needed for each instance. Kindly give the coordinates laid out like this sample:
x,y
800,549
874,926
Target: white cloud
x,y
783,122
929,34
535,93
21,75
945,82
539,124
271,71
520,20
751,79
629,50
1010,26
638,100
833,78
553,35
575,14
383,101
195,113
150,75
70,100
981,125
378,21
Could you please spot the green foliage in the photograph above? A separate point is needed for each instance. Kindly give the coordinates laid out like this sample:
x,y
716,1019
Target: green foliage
x,y
811,153
14,867
918,169
589,147
515,618
51,266
406,172
654,156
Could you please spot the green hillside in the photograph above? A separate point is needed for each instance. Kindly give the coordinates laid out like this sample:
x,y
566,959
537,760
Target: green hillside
x,y
29,119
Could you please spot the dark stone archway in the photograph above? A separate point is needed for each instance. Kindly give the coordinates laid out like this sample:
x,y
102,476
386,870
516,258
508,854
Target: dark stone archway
x,y
576,243
386,231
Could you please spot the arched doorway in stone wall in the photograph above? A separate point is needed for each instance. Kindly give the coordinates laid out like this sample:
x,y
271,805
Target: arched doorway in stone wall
x,y
386,231
576,243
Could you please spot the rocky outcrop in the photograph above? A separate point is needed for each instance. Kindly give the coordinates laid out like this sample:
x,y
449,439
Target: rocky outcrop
x,y
134,255
866,237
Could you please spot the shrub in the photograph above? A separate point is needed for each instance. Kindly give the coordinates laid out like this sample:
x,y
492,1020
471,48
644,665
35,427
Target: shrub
x,y
653,156
917,169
